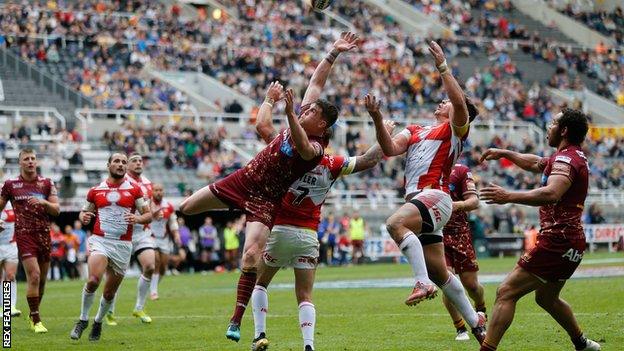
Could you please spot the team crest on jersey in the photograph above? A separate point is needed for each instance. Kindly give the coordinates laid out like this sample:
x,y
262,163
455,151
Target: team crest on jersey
x,y
18,185
113,197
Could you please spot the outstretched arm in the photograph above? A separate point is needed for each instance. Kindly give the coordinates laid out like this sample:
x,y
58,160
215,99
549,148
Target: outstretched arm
x,y
459,115
390,146
305,148
374,154
551,193
528,162
264,120
346,42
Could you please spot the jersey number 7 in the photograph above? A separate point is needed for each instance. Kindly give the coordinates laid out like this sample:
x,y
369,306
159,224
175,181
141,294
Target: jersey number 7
x,y
303,193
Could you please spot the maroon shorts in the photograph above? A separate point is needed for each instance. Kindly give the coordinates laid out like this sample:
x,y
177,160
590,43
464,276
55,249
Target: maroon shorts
x,y
357,244
257,207
553,259
459,253
34,245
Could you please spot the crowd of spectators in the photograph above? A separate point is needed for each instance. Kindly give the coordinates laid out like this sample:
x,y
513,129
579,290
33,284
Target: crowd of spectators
x,y
608,23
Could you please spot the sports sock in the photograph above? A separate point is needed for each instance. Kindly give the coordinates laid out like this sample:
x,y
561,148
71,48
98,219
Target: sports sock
x,y
111,310
480,308
454,291
460,324
13,293
104,307
143,286
260,305
154,284
412,249
245,287
580,342
33,304
87,302
307,320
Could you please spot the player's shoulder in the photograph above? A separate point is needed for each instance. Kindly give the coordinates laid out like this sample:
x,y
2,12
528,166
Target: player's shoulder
x,y
145,181
570,155
460,168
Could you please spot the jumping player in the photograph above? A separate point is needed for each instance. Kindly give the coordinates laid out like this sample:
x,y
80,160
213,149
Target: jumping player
x,y
431,153
293,241
259,187
458,250
164,226
142,245
34,199
561,241
8,253
114,204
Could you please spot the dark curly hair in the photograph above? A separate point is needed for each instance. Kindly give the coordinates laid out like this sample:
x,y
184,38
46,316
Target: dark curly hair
x,y
577,124
330,111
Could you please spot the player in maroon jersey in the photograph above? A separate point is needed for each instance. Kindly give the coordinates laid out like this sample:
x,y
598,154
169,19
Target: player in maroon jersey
x,y
34,200
116,205
259,187
561,241
458,250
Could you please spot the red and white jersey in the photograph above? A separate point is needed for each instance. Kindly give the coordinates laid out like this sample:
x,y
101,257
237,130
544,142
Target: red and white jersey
x,y
110,203
146,187
168,221
431,154
8,223
301,206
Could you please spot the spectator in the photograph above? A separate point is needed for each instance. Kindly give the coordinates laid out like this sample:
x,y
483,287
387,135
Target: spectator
x,y
58,251
207,238
357,233
230,238
76,159
185,252
82,249
595,214
72,242
344,247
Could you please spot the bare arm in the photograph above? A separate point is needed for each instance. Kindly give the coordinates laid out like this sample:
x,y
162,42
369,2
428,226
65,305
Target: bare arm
x,y
470,203
305,148
459,115
389,145
87,213
145,216
50,204
264,120
174,228
373,155
551,193
528,162
346,42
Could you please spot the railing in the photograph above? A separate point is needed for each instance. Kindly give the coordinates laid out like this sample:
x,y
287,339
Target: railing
x,y
53,84
20,112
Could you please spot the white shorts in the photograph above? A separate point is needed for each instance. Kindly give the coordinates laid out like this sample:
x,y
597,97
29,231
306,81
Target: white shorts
x,y
8,253
163,245
292,246
117,251
439,207
143,240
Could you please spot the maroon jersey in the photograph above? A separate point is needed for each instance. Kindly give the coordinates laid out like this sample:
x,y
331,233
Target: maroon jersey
x,y
29,220
461,184
563,219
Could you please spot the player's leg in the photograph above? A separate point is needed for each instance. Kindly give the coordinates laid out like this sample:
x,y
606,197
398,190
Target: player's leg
x,y
146,259
96,264
201,201
255,239
470,281
33,277
44,267
403,227
10,269
517,284
304,282
547,297
113,280
160,258
260,305
449,284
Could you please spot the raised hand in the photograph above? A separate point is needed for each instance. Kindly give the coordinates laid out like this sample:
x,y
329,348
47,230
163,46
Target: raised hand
x,y
290,102
494,194
275,91
372,106
347,41
492,154
437,53
389,125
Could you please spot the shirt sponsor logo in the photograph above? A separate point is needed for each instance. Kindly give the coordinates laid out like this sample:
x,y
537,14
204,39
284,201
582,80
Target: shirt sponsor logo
x,y
565,159
18,185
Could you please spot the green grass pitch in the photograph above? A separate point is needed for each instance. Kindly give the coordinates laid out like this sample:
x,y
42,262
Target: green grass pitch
x,y
193,312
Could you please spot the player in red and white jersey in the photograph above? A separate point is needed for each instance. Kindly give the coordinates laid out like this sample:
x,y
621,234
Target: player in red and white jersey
x,y
34,200
258,188
293,241
164,227
143,244
116,204
417,226
561,241
458,249
8,253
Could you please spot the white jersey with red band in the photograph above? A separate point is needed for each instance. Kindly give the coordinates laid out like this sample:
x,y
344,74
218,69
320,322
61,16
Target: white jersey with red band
x,y
431,154
8,224
168,221
301,206
146,187
110,203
